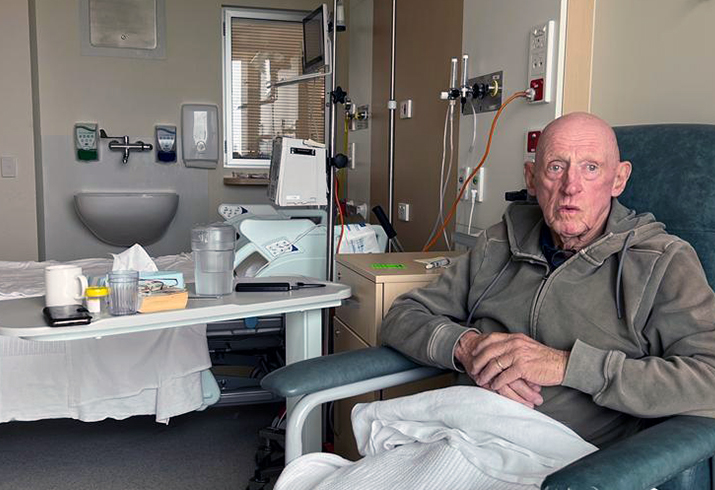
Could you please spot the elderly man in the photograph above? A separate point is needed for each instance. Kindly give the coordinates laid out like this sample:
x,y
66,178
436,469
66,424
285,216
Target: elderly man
x,y
576,306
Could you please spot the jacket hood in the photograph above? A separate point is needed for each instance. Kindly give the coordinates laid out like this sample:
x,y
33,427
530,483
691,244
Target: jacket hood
x,y
524,220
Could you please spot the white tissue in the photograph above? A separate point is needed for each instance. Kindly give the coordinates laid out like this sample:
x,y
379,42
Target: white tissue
x,y
134,258
359,239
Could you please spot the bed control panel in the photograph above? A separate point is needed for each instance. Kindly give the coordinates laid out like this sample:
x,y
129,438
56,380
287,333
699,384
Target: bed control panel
x,y
228,211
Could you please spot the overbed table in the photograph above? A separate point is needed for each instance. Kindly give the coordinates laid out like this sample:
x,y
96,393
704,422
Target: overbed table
x,y
23,318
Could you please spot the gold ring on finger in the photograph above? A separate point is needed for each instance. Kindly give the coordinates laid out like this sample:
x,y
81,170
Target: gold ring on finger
x,y
499,364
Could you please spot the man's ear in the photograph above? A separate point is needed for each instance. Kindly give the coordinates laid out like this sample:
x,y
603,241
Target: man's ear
x,y
623,172
529,177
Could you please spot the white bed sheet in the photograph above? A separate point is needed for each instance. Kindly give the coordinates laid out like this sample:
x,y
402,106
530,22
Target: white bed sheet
x,y
157,372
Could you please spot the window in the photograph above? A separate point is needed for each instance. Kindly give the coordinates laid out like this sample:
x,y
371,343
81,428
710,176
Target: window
x,y
262,46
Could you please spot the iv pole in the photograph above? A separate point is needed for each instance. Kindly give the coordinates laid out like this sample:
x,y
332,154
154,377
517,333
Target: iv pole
x,y
331,103
391,106
330,168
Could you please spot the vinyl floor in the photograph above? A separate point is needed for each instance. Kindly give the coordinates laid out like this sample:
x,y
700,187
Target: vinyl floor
x,y
213,449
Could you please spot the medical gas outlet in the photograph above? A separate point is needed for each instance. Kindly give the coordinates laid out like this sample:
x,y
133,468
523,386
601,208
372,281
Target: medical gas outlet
x,y
480,94
541,60
476,184
532,140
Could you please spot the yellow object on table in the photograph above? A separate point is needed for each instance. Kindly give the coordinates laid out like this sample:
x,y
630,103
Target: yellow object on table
x,y
96,298
163,299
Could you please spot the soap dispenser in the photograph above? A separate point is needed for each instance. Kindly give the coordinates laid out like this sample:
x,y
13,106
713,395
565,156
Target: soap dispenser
x,y
165,143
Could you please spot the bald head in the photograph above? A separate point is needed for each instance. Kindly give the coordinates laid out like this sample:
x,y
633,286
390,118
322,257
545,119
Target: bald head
x,y
580,121
576,173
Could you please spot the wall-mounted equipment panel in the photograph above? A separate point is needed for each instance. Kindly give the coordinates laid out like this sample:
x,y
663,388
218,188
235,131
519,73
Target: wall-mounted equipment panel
x,y
541,61
486,93
199,135
126,28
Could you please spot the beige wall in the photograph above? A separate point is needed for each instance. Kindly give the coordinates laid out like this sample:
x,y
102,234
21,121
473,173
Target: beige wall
x,y
495,23
653,61
18,222
428,34
125,95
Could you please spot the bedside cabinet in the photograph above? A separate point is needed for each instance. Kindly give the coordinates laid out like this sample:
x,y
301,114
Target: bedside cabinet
x,y
376,281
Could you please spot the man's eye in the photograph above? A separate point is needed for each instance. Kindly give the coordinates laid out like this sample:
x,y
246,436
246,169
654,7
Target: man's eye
x,y
591,167
554,167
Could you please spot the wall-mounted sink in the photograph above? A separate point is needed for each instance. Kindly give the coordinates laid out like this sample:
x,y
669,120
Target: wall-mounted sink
x,y
126,218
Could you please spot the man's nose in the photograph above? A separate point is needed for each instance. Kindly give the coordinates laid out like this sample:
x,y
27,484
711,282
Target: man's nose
x,y
572,182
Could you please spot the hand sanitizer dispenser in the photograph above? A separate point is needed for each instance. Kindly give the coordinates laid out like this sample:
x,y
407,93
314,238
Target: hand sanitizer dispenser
x,y
199,135
165,143
85,141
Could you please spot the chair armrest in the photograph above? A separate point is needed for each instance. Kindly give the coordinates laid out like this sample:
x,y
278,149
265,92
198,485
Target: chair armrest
x,y
322,373
334,377
642,461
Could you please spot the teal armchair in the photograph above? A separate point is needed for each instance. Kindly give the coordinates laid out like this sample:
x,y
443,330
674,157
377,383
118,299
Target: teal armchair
x,y
674,178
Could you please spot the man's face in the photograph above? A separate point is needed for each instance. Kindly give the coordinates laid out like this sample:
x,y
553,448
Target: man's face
x,y
576,173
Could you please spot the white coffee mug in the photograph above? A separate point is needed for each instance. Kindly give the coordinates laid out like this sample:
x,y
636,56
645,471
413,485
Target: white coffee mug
x,y
64,285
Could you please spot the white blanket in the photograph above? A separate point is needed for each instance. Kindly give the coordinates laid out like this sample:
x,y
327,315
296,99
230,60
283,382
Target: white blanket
x,y
459,437
156,372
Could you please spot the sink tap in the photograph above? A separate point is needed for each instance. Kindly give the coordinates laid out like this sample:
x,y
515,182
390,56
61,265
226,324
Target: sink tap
x,y
124,145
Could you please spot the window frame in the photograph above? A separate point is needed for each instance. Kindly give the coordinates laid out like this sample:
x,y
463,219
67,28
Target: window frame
x,y
229,13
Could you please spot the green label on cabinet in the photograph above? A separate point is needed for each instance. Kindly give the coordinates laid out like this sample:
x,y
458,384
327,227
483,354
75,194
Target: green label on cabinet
x,y
387,266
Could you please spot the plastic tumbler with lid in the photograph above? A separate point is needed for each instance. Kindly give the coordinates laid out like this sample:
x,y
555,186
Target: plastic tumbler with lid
x,y
213,248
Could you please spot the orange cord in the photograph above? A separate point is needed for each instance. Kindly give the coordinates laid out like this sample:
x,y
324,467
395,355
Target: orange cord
x,y
474,172
340,213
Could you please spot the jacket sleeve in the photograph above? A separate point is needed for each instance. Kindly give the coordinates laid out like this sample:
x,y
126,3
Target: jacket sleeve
x,y
678,377
424,324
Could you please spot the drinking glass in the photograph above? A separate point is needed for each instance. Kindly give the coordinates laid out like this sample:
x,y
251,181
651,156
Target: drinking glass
x,y
123,292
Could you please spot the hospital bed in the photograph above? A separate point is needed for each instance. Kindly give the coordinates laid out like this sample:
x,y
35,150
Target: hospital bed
x,y
50,379
112,377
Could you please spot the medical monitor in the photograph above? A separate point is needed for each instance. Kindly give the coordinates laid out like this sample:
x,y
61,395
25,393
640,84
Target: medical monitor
x,y
316,51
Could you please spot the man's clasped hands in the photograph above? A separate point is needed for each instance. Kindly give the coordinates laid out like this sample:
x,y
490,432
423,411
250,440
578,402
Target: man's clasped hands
x,y
511,364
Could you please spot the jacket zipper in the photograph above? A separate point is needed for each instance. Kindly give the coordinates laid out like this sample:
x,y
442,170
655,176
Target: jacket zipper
x,y
532,315
545,279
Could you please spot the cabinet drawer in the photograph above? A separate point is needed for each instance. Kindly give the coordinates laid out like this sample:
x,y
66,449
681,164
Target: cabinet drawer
x,y
345,340
362,312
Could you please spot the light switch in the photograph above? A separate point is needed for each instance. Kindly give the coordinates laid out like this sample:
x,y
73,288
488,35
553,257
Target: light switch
x,y
406,109
403,211
8,167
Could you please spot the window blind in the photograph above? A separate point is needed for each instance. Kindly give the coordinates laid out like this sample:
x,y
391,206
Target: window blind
x,y
263,51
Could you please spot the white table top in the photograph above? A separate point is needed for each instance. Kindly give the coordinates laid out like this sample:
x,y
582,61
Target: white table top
x,y
23,317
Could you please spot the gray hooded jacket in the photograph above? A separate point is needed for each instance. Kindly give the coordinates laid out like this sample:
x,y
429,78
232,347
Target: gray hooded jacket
x,y
658,359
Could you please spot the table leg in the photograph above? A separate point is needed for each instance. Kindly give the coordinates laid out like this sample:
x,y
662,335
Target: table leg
x,y
304,341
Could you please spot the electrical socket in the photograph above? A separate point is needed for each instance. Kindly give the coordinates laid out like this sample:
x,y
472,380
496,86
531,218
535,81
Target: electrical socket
x,y
403,211
8,167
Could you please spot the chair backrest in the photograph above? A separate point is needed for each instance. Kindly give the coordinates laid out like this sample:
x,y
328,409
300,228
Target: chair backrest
x,y
674,178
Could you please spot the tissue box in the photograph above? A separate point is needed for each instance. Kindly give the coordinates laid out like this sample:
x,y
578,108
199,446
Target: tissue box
x,y
169,278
